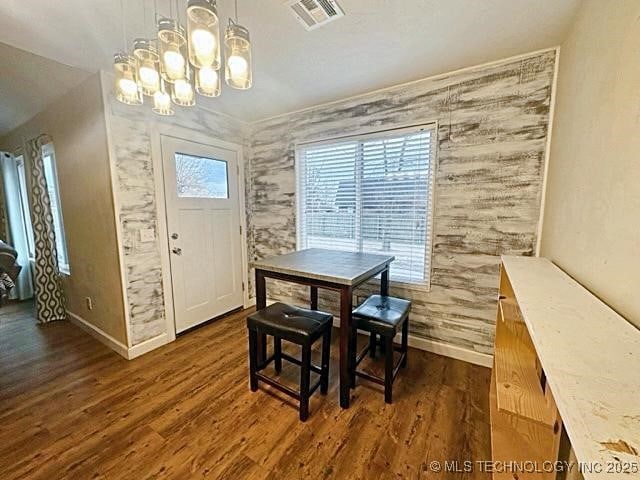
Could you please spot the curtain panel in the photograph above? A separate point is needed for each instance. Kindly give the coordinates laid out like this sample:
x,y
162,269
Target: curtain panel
x,y
50,300
16,233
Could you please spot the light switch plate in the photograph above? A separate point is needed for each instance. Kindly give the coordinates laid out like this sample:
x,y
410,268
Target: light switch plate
x,y
147,235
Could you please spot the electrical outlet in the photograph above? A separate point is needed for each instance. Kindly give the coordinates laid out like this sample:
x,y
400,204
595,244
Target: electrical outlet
x,y
89,303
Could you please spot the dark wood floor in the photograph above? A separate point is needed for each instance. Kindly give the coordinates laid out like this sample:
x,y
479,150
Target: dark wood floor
x,y
71,408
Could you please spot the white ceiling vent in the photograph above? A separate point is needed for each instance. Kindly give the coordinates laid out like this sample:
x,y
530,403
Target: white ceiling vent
x,y
315,13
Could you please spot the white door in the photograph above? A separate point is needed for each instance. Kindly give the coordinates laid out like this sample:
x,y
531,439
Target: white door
x,y
203,224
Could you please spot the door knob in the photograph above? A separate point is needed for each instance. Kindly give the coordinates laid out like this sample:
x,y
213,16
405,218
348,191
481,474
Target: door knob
x,y
174,236
177,251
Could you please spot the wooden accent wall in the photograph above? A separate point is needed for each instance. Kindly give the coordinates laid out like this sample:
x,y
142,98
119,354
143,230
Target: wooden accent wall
x,y
492,133
138,206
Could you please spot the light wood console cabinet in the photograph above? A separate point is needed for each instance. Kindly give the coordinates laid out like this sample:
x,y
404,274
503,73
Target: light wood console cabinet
x,y
563,359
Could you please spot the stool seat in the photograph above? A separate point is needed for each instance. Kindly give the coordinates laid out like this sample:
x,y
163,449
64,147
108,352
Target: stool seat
x,y
290,323
381,315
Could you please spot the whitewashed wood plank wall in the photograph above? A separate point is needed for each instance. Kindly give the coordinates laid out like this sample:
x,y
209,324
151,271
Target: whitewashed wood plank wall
x,y
131,130
492,128
493,123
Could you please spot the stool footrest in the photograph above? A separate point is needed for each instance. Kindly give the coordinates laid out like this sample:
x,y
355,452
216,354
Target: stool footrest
x,y
279,386
283,388
363,353
315,387
380,380
289,358
266,362
371,378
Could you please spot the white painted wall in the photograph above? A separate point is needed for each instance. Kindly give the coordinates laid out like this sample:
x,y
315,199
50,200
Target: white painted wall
x,y
592,215
76,123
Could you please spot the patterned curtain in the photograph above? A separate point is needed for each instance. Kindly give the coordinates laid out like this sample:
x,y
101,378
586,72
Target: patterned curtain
x,y
50,301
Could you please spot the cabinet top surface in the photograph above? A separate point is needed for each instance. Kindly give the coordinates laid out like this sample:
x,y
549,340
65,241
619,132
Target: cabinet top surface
x,y
591,357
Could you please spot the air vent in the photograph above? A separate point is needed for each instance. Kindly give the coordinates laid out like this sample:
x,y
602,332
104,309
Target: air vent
x,y
315,13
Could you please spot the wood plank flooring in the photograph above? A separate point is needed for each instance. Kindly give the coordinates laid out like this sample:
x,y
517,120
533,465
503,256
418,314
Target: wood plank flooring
x,y
72,409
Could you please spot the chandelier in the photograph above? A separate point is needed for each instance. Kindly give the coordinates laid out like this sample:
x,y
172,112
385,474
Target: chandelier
x,y
179,63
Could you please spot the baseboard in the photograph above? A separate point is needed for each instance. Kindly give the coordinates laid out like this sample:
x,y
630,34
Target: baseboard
x,y
452,351
148,345
115,345
428,345
104,338
444,349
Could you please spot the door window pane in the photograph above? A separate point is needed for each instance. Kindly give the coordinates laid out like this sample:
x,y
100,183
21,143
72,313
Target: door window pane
x,y
201,177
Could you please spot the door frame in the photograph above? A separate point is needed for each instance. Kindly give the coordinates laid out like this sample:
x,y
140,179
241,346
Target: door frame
x,y
156,131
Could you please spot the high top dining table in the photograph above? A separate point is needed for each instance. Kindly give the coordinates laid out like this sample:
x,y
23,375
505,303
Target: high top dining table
x,y
332,270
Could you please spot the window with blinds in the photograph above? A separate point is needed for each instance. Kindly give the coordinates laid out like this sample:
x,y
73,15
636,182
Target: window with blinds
x,y
372,194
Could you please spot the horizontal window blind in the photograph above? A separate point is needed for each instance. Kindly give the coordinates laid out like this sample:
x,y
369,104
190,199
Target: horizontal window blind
x,y
370,194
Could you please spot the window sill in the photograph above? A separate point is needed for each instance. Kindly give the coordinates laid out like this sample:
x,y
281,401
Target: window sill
x,y
414,287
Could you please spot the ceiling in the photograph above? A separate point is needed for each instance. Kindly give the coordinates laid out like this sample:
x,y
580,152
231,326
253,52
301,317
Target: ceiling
x,y
377,44
25,90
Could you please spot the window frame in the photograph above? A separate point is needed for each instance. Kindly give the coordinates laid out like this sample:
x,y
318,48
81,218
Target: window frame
x,y
25,207
424,286
63,266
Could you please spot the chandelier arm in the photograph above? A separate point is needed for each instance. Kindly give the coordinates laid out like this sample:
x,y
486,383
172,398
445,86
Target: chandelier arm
x,y
124,26
144,15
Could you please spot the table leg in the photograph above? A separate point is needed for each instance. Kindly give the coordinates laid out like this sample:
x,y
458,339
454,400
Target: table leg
x,y
313,291
384,291
346,299
384,282
261,302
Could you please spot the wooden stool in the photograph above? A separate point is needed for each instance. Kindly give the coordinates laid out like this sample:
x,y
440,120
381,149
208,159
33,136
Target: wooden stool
x,y
381,315
295,325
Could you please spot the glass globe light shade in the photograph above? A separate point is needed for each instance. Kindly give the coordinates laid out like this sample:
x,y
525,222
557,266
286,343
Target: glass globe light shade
x,y
238,57
203,33
127,85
